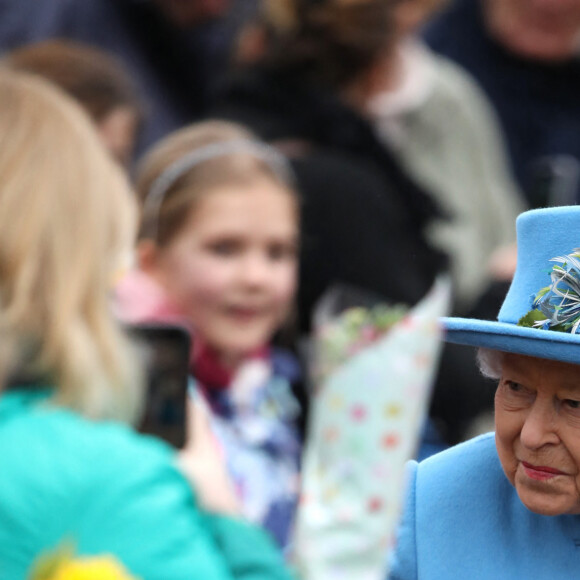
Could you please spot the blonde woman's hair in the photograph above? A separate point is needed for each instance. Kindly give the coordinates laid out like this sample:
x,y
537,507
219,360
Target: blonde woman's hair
x,y
67,219
238,166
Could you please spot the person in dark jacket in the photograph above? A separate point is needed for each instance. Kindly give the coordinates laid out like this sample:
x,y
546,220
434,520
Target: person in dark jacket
x,y
363,217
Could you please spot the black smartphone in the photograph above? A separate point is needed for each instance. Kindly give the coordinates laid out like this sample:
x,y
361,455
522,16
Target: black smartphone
x,y
165,350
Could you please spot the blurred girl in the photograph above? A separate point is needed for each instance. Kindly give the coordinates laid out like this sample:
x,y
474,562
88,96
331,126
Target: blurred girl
x,y
72,473
217,253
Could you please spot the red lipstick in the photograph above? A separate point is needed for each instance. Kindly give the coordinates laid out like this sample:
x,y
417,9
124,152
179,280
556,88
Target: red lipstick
x,y
540,472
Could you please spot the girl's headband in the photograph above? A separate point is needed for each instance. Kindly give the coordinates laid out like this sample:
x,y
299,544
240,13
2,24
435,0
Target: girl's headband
x,y
159,188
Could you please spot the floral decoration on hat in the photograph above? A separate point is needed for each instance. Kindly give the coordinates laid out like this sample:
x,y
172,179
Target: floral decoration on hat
x,y
557,306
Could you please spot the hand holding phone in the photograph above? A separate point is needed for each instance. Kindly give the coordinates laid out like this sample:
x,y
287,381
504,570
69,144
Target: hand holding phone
x,y
204,463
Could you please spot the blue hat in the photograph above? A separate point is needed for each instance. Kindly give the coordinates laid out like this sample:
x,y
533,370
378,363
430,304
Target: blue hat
x,y
540,315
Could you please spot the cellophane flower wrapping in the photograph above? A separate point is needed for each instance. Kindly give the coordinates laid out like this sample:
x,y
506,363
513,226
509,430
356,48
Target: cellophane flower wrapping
x,y
372,373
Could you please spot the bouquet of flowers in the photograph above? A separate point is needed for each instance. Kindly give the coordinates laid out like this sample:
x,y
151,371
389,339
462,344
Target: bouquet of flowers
x,y
61,564
372,370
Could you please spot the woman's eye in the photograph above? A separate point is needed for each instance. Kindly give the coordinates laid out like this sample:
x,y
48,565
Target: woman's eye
x,y
515,396
572,409
514,387
516,392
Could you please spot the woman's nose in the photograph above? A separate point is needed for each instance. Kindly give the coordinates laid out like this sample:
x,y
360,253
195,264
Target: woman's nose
x,y
540,425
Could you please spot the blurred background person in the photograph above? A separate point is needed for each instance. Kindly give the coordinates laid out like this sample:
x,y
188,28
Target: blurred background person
x,y
525,55
364,218
175,50
441,128
97,81
72,472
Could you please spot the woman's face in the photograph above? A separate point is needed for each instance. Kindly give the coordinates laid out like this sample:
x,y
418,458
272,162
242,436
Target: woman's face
x,y
537,419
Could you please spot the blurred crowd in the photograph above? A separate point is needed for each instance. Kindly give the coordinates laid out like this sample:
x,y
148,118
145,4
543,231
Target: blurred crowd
x,y
243,158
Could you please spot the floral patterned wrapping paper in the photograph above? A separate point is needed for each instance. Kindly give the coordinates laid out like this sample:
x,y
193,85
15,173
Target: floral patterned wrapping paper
x,y
366,418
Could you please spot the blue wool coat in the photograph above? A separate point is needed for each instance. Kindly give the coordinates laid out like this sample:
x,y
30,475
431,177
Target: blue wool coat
x,y
464,519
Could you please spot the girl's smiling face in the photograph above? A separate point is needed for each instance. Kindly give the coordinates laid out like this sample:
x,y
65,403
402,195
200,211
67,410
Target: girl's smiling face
x,y
232,267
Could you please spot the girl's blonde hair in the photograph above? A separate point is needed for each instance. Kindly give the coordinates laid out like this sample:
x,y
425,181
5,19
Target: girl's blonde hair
x,y
67,219
238,167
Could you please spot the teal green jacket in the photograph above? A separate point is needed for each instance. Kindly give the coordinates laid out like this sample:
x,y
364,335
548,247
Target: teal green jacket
x,y
112,491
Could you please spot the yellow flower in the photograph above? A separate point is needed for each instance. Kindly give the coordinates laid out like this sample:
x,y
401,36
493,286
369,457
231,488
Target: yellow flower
x,y
98,568
61,564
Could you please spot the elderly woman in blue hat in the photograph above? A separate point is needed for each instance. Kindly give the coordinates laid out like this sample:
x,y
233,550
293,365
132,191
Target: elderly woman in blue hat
x,y
507,505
